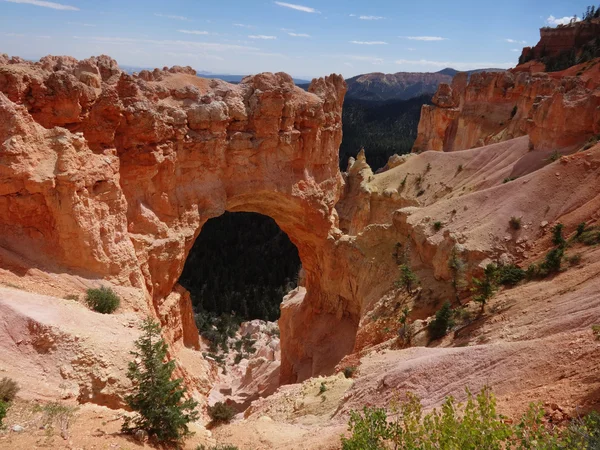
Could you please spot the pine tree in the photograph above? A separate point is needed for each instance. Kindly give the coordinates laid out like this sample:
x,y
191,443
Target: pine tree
x,y
457,268
158,400
486,288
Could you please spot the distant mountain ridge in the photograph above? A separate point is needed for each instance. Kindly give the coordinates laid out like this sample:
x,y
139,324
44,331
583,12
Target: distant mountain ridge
x,y
379,86
204,74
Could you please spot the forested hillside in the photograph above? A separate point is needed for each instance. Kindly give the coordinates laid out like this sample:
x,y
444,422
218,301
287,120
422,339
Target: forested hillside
x,y
382,128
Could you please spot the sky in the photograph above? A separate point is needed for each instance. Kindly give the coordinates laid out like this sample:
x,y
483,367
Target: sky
x,y
305,38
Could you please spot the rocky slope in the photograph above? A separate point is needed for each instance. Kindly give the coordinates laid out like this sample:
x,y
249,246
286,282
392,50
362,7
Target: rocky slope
x,y
107,178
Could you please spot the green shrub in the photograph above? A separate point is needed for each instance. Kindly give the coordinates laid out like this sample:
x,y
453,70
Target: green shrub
x,y
583,433
349,371
442,322
510,274
221,412
557,234
515,222
473,425
159,401
238,358
486,287
103,300
3,411
590,236
554,156
457,267
407,278
508,180
8,389
552,262
580,229
437,225
460,168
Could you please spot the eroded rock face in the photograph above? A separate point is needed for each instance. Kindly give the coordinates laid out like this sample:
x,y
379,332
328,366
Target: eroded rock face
x,y
557,112
112,176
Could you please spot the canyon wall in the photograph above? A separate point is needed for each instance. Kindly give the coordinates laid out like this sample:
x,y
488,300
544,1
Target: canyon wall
x,y
111,176
557,112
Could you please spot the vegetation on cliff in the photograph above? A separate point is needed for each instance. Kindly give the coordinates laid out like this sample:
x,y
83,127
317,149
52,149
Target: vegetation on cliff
x,y
159,401
382,128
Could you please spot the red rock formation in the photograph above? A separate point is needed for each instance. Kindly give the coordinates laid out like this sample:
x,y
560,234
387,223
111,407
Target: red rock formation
x,y
556,112
139,163
554,41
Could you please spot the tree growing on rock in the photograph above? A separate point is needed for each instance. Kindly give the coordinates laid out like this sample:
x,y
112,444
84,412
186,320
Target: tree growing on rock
x,y
160,404
486,287
457,268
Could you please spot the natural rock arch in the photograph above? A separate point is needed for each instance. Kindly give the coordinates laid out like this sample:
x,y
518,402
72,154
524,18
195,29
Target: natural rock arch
x,y
141,162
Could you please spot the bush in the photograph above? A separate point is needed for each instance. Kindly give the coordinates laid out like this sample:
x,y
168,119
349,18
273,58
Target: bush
x,y
8,389
3,411
552,262
513,112
103,300
407,278
557,236
437,225
554,156
485,288
515,222
470,426
442,322
510,274
158,400
584,432
221,412
580,229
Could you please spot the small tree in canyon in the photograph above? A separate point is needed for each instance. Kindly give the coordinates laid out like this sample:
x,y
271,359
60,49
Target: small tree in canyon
x,y
162,410
457,268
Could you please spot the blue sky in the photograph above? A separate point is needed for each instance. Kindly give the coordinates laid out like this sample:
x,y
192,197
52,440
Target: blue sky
x,y
305,38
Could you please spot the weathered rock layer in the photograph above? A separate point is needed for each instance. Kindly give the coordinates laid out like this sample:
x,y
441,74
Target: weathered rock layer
x,y
112,176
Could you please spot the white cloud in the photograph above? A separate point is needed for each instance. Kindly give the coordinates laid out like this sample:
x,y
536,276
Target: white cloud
x,y
348,64
352,15
167,44
262,36
513,41
171,16
44,4
425,38
299,35
410,49
297,7
371,17
193,32
551,20
241,25
456,65
515,50
369,42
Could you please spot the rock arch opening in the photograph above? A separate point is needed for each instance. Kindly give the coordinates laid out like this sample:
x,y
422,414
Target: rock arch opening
x,y
241,264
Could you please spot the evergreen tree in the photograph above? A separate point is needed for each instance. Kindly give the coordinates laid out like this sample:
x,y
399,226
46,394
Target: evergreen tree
x,y
158,400
457,268
442,322
407,278
486,287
